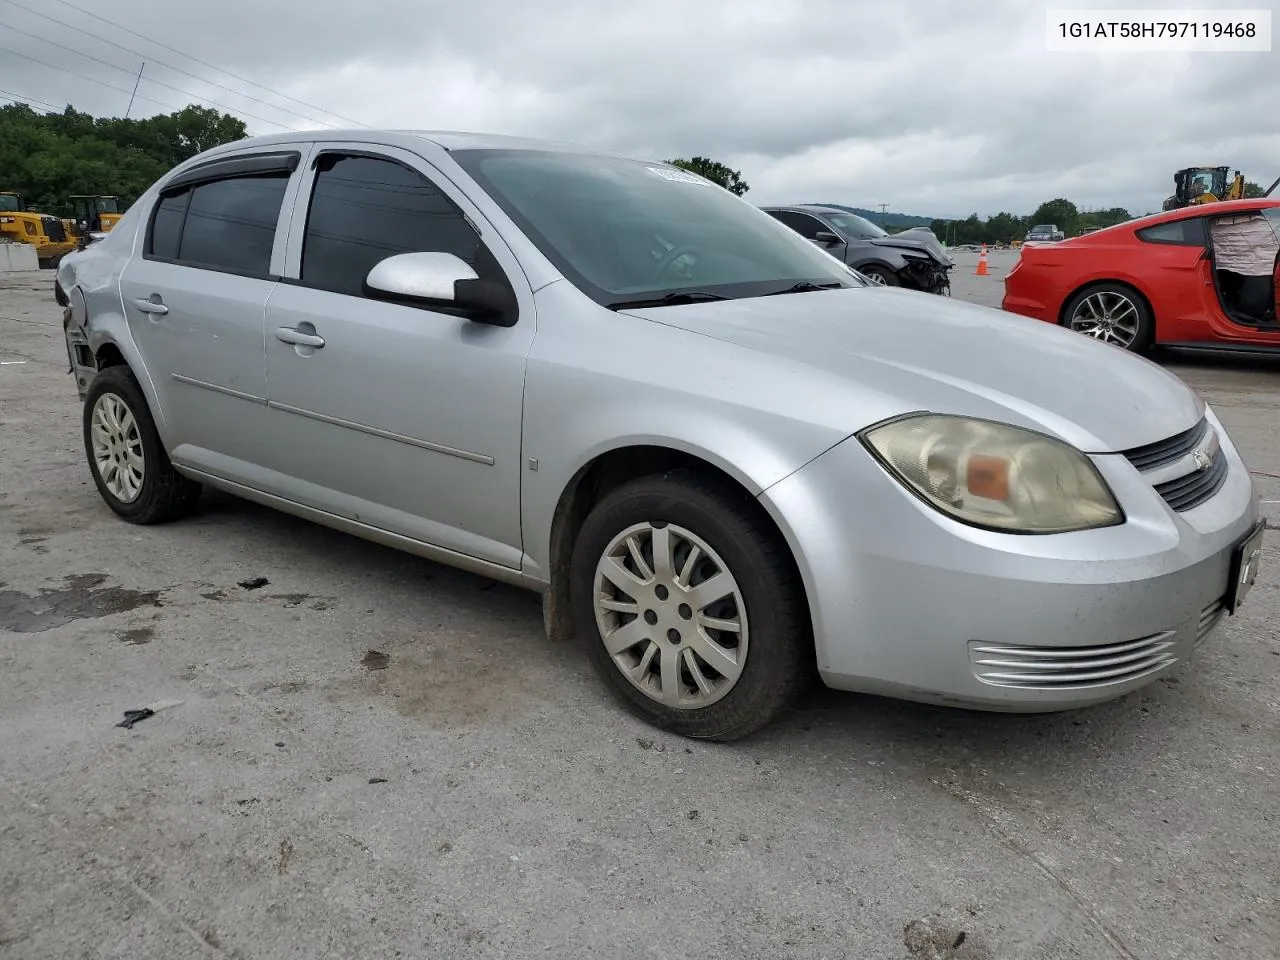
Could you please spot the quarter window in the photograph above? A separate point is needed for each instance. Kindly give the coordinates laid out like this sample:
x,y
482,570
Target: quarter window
x,y
221,225
1189,232
365,209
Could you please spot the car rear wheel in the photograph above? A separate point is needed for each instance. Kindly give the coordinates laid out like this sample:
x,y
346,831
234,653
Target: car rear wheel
x,y
690,607
1111,313
126,457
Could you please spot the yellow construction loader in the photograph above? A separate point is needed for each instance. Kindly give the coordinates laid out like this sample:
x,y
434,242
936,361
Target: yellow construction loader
x,y
1196,185
47,234
96,214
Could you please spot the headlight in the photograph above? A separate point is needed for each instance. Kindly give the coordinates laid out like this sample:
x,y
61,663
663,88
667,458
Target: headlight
x,y
995,476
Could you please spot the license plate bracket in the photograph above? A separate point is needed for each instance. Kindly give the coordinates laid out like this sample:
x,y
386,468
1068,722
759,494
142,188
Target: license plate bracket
x,y
1244,567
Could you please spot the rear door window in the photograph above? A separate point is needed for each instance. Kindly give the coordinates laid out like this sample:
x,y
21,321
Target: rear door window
x,y
227,225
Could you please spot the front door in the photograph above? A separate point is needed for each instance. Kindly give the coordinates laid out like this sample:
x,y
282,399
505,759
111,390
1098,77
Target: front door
x,y
195,295
405,419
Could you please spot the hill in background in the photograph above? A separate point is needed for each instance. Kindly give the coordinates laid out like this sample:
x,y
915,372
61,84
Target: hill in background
x,y
890,221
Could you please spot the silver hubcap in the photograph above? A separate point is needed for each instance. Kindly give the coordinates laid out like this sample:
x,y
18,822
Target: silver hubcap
x,y
1110,317
671,615
117,448
875,278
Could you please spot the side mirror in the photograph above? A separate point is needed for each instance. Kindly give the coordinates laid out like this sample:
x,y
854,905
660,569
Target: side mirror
x,y
442,281
827,237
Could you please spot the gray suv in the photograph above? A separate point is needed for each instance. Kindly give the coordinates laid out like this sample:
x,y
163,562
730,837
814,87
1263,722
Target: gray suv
x,y
727,462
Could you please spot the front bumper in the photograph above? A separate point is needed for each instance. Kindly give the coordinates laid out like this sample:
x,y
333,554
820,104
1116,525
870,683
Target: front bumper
x,y
909,603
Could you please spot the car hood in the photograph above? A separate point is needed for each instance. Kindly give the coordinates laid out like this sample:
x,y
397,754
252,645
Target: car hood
x,y
884,351
910,240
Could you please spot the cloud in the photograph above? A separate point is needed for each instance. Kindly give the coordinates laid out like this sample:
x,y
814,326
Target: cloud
x,y
936,107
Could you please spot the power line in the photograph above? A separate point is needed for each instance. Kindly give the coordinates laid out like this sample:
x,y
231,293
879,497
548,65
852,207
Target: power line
x,y
204,63
18,98
161,63
115,66
85,76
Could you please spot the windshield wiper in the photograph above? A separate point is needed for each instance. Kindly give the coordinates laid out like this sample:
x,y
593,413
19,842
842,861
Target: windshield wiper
x,y
671,299
804,286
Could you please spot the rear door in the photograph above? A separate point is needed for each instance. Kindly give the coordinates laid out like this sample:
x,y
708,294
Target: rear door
x,y
195,295
406,419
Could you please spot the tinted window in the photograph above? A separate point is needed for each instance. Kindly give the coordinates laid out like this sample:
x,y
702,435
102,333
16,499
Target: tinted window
x,y
856,227
1189,232
364,210
802,224
223,225
166,228
231,224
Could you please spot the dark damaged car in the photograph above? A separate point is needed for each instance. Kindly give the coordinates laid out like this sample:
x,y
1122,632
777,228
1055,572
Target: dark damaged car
x,y
913,258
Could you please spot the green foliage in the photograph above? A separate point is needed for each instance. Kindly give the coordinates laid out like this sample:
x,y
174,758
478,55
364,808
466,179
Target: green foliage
x,y
714,171
1007,227
50,157
1252,190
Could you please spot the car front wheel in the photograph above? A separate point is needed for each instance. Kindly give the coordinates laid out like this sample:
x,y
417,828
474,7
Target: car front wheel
x,y
126,457
690,607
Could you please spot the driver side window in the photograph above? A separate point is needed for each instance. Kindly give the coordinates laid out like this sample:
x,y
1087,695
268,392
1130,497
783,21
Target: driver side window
x,y
364,209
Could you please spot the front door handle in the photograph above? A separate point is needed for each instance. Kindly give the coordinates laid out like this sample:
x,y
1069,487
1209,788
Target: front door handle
x,y
151,306
298,338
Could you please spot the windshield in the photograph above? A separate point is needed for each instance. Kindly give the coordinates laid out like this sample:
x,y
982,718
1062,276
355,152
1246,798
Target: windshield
x,y
10,203
624,230
108,205
855,227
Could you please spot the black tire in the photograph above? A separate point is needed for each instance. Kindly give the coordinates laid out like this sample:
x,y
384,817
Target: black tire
x,y
779,662
1145,336
165,494
879,274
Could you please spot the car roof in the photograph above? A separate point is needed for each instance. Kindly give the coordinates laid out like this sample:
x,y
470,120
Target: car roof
x,y
446,139
1206,209
805,207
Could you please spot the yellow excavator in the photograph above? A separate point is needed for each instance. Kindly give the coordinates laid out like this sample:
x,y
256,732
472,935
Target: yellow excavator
x,y
47,234
1196,185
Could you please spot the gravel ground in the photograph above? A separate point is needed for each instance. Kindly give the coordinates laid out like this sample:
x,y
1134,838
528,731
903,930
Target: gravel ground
x,y
375,756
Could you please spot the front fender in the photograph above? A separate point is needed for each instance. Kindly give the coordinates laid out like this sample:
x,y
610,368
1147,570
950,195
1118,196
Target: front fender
x,y
598,381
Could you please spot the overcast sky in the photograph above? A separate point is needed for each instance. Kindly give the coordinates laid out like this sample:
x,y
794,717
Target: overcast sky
x,y
935,107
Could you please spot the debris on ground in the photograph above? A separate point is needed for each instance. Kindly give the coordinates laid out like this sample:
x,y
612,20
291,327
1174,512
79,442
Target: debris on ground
x,y
375,660
133,716
254,583
377,779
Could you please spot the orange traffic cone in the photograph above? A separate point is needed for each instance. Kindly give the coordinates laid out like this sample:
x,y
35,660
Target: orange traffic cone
x,y
981,271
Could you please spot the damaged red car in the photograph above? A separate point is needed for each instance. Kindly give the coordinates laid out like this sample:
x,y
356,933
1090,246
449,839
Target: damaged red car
x,y
1203,277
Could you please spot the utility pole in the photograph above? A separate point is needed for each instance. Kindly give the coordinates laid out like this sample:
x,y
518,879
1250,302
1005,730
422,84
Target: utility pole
x,y
883,207
135,89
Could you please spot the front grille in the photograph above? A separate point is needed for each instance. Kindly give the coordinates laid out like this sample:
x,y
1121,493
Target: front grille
x,y
1062,668
1163,452
54,229
1195,488
1200,481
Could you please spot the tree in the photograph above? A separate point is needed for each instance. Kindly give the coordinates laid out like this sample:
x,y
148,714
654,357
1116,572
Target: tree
x,y
51,157
1252,190
714,171
1061,212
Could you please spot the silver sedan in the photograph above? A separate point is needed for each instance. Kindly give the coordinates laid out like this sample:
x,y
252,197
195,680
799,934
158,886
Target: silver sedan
x,y
728,463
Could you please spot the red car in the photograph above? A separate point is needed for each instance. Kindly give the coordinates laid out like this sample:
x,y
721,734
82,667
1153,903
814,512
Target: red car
x,y
1205,276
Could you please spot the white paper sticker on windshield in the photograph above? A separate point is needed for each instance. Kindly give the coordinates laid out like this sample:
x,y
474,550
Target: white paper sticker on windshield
x,y
679,176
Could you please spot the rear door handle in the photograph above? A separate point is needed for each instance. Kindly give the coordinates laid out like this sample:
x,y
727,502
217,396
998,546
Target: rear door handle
x,y
294,336
151,306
